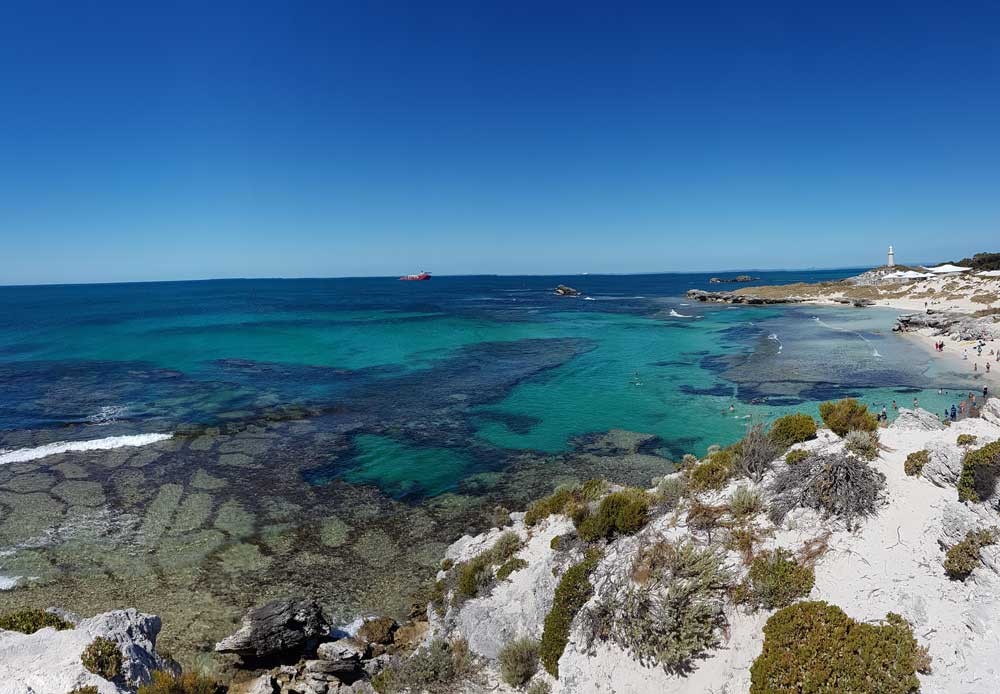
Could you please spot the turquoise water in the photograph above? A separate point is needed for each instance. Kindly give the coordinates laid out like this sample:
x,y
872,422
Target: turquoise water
x,y
436,381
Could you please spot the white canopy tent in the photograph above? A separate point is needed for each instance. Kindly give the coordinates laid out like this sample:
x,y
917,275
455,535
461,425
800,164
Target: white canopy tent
x,y
989,273
947,269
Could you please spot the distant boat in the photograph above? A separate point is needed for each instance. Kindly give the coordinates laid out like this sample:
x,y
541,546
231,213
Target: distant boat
x,y
416,278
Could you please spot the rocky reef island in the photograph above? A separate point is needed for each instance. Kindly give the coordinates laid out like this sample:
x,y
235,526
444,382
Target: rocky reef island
x,y
839,556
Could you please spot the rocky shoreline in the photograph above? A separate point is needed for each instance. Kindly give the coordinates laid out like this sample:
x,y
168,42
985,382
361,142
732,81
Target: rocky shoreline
x,y
579,593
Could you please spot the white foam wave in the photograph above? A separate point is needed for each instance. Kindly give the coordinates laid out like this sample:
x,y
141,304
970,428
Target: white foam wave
x,y
21,455
678,315
774,337
589,298
108,414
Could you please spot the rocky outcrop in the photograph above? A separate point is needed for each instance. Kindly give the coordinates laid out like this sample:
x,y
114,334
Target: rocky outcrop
x,y
741,298
49,660
917,419
728,280
958,325
277,630
563,290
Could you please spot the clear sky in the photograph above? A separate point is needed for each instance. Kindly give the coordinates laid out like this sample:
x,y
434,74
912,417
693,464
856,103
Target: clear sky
x,y
191,140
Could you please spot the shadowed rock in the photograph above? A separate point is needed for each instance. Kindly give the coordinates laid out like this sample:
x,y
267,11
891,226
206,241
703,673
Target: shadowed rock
x,y
288,627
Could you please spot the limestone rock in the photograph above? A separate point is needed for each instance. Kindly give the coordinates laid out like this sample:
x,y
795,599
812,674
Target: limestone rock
x,y
341,656
917,419
49,660
279,628
944,463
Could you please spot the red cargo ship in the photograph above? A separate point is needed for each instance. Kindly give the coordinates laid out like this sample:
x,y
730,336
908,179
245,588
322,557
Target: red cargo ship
x,y
416,278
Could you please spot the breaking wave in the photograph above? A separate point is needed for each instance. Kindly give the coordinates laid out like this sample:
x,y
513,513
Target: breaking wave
x,y
20,455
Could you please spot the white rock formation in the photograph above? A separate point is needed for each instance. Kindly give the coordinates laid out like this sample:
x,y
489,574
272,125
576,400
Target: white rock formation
x,y
48,661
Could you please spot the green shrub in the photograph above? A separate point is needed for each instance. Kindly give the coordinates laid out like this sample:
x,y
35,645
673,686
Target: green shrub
x,y
673,610
539,687
745,502
847,415
863,444
714,473
621,513
518,661
671,490
29,621
962,558
571,501
555,543
188,683
966,439
437,667
543,508
509,567
103,658
476,574
573,591
979,473
796,456
915,462
89,689
592,490
814,647
775,580
792,429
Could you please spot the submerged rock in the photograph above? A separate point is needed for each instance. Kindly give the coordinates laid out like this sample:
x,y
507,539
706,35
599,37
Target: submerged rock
x,y
278,629
563,290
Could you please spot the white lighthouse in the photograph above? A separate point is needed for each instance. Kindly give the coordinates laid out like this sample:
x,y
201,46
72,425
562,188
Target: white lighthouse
x,y
892,258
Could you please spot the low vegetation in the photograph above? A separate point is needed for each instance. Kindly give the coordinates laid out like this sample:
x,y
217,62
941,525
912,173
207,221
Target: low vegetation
x,y
792,429
573,591
863,444
714,473
437,667
188,683
671,613
915,462
755,452
963,557
815,647
620,513
796,456
979,473
566,500
670,491
839,485
847,415
30,621
476,575
103,658
518,661
775,580
510,566
745,502
966,440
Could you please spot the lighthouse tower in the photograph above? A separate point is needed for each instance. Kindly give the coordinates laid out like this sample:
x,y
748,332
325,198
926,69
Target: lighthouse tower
x,y
892,258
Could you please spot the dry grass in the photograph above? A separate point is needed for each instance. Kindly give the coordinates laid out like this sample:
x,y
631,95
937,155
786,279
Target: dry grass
x,y
813,549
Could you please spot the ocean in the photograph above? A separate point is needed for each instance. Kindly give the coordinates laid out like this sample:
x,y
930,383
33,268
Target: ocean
x,y
196,447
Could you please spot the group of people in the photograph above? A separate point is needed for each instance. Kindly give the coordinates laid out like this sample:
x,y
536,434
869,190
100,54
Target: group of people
x,y
968,407
939,346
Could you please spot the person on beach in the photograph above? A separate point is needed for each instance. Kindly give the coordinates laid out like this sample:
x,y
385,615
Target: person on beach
x,y
987,367
885,414
895,407
954,413
975,367
915,405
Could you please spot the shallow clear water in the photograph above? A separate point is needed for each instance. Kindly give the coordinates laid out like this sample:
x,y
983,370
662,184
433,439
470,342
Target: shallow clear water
x,y
331,436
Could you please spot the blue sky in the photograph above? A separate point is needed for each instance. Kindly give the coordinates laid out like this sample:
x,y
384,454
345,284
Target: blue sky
x,y
194,140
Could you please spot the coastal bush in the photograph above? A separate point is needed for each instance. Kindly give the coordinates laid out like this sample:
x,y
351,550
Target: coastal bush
x,y
539,687
29,621
714,473
979,473
89,689
847,415
965,439
568,500
545,507
688,462
796,456
962,558
792,429
838,485
915,462
509,567
621,513
673,611
103,658
863,444
704,518
745,502
775,580
756,451
815,647
670,491
518,661
436,667
476,574
572,592
188,683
